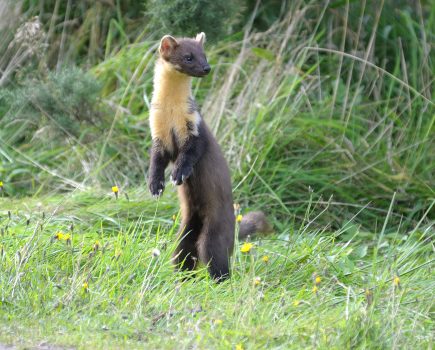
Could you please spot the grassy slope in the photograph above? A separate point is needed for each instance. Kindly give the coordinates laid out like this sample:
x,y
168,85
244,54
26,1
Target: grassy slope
x,y
134,298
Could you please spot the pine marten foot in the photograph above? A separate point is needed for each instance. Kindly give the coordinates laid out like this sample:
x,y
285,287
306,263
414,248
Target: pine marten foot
x,y
157,187
181,174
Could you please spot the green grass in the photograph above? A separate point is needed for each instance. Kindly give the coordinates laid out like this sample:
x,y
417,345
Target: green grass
x,y
136,300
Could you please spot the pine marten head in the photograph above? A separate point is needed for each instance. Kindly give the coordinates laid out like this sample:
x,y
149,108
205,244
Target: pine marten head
x,y
185,55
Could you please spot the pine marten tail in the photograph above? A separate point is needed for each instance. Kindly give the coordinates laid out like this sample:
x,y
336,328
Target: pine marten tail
x,y
253,223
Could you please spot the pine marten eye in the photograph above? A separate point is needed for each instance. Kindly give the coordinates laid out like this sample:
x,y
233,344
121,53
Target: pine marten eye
x,y
188,58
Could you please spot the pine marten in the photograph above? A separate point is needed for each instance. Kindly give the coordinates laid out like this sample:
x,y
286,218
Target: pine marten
x,y
180,135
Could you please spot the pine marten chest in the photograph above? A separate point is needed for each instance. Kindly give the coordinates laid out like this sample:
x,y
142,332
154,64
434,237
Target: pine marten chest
x,y
174,116
172,123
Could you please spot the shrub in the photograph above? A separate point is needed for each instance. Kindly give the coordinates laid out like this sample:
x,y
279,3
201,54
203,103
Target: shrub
x,y
59,104
189,17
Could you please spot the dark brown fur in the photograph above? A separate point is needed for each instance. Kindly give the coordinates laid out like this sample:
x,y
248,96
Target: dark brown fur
x,y
207,227
199,167
200,170
252,223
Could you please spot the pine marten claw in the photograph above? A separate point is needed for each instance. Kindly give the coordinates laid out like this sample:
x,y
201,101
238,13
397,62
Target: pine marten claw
x,y
179,176
157,189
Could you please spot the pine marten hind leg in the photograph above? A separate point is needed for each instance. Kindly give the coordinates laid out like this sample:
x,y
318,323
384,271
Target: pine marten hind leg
x,y
214,249
186,253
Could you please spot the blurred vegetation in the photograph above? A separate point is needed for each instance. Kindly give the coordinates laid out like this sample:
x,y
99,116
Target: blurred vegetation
x,y
59,106
328,102
85,31
189,17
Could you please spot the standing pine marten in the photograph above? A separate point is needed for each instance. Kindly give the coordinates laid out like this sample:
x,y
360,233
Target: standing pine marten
x,y
200,170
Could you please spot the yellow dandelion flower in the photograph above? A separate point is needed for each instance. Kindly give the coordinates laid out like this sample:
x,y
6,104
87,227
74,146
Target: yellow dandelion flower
x,y
85,286
115,191
60,236
317,280
246,247
396,281
239,347
265,259
257,281
218,322
1,184
315,289
239,218
296,302
96,245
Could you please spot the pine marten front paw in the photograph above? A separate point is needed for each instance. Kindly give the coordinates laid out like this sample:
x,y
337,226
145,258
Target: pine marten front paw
x,y
180,174
156,187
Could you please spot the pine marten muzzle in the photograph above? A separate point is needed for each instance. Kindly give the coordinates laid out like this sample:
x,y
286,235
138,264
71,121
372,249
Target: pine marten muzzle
x,y
200,171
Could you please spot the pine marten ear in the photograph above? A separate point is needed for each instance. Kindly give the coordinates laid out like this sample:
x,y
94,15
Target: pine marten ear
x,y
200,38
167,45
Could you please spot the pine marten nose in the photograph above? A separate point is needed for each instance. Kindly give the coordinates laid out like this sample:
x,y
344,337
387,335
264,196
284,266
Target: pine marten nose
x,y
207,68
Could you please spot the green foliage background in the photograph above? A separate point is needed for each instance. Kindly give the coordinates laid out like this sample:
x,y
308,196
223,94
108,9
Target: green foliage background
x,y
189,17
353,132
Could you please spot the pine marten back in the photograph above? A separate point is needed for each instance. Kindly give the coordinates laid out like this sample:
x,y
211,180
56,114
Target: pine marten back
x,y
200,170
